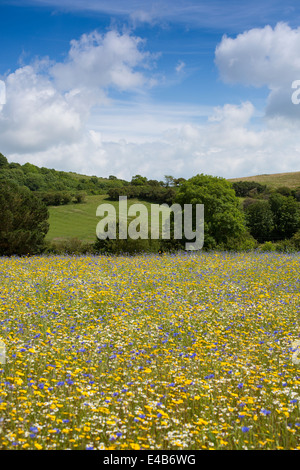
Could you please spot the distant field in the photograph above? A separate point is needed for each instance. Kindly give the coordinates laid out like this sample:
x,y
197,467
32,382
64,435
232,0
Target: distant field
x,y
291,180
79,220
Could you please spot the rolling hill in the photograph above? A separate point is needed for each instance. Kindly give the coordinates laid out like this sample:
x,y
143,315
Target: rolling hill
x,y
291,180
80,221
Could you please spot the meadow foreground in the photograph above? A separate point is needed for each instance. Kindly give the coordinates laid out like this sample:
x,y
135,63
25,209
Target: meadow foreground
x,y
187,351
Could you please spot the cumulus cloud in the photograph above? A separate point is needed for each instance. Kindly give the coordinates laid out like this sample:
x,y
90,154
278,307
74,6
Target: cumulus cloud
x,y
264,57
99,61
50,103
36,114
63,115
215,147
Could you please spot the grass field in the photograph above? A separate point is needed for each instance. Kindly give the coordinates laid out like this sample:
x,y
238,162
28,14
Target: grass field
x,y
190,351
291,180
79,220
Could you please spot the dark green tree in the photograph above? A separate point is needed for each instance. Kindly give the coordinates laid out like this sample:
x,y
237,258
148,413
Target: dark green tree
x,y
23,221
286,216
3,161
259,219
138,180
223,216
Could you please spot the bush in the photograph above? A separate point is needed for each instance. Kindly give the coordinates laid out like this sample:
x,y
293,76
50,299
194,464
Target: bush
x,y
128,246
267,247
80,197
23,221
71,246
296,240
285,246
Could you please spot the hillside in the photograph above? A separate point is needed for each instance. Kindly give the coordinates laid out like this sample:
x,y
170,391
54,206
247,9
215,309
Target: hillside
x,y
291,180
79,220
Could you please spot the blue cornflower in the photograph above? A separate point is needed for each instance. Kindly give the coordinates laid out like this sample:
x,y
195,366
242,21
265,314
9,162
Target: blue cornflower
x,y
265,412
245,429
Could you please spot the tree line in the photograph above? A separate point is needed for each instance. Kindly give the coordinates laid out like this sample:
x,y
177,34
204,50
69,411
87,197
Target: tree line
x,y
238,216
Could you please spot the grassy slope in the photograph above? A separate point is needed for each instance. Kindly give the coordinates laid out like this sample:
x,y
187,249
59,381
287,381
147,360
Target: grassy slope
x,y
291,180
80,221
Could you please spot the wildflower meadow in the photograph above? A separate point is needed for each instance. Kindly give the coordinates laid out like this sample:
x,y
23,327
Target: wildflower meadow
x,y
184,351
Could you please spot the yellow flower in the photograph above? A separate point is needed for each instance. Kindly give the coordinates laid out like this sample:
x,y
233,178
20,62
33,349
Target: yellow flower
x,y
135,446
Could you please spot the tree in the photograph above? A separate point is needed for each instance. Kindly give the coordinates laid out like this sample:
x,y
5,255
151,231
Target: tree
x,y
23,221
259,219
3,161
169,181
286,216
138,180
223,217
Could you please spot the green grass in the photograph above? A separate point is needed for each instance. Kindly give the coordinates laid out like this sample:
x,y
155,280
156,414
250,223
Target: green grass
x,y
79,220
291,180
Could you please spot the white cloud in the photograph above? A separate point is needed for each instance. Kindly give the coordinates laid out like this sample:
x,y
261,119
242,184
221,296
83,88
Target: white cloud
x,y
36,114
50,103
180,66
264,57
98,61
62,115
215,147
2,93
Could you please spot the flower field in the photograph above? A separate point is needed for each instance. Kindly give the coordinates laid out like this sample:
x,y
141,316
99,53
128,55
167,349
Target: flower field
x,y
189,351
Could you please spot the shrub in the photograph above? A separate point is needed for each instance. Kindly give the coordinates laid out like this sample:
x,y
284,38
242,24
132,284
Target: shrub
x,y
267,247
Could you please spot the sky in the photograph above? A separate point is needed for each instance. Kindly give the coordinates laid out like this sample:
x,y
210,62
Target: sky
x,y
127,87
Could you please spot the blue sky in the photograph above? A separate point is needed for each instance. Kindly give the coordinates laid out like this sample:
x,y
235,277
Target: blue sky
x,y
152,88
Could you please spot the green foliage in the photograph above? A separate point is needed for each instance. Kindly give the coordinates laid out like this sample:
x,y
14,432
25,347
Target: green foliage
x,y
50,180
224,221
72,246
296,240
276,218
23,221
269,213
259,219
286,216
80,197
117,245
138,180
248,188
267,247
3,161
